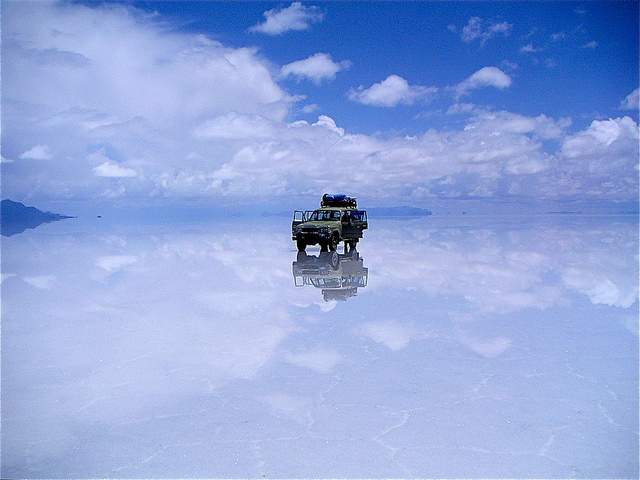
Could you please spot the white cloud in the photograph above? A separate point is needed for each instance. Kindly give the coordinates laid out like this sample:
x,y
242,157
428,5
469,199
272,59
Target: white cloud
x,y
592,44
500,123
317,67
509,65
43,282
321,360
37,152
631,101
391,334
113,263
462,108
328,123
485,77
479,29
294,17
110,169
487,348
302,157
235,126
293,407
390,92
529,48
158,87
192,118
557,36
310,108
601,161
600,289
600,136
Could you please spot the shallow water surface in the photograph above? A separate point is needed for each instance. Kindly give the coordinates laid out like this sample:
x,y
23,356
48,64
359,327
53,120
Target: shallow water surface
x,y
446,347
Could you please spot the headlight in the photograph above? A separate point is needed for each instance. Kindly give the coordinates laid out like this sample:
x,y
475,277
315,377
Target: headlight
x,y
324,229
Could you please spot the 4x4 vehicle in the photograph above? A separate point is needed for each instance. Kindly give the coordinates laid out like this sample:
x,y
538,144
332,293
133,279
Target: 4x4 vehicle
x,y
337,220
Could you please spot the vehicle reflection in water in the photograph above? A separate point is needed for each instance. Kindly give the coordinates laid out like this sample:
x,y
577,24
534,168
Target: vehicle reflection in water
x,y
339,275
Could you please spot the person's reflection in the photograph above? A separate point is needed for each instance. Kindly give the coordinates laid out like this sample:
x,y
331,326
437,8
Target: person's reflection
x,y
339,275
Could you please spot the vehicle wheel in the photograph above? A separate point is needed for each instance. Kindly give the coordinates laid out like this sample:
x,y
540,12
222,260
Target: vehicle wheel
x,y
333,243
301,245
334,260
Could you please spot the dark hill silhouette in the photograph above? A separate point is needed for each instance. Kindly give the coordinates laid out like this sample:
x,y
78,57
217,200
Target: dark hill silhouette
x,y
16,217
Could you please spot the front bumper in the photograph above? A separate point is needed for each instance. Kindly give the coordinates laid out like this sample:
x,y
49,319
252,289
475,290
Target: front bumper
x,y
311,238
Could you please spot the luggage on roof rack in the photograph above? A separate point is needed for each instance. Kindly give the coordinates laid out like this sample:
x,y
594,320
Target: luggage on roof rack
x,y
338,200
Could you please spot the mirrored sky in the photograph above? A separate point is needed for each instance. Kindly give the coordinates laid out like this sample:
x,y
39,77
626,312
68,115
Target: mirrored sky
x,y
477,347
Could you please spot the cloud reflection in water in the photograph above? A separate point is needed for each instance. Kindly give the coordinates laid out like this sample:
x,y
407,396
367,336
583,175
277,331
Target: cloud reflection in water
x,y
484,348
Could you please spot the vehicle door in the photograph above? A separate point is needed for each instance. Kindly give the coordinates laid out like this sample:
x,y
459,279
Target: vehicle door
x,y
359,219
298,217
348,227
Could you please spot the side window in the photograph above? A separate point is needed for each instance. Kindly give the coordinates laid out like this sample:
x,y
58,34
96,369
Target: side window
x,y
359,215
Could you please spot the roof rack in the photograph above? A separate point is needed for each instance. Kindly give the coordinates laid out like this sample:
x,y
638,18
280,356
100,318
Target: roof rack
x,y
338,200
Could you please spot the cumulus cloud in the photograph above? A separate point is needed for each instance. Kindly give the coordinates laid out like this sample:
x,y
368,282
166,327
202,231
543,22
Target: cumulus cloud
x,y
485,77
631,101
479,29
500,123
489,348
602,160
600,289
392,334
600,137
390,92
321,360
37,152
301,156
294,17
235,126
110,169
142,91
317,67
328,123
114,263
529,48
310,108
592,44
157,125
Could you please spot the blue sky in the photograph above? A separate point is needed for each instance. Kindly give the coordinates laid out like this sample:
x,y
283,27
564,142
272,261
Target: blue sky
x,y
179,102
413,41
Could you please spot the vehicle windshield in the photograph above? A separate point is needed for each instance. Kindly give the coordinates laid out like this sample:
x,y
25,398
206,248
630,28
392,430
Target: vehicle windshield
x,y
324,215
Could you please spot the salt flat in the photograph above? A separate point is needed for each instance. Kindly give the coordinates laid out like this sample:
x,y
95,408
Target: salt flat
x,y
479,347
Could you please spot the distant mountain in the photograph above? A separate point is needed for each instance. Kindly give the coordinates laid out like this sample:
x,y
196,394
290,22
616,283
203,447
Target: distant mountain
x,y
373,212
398,212
16,217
